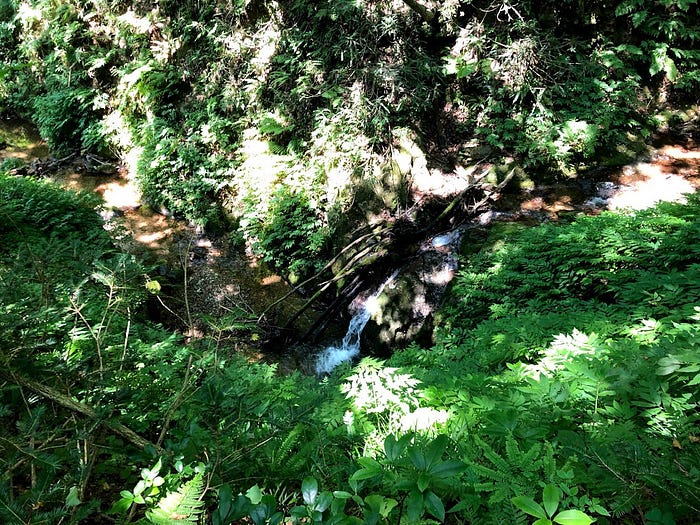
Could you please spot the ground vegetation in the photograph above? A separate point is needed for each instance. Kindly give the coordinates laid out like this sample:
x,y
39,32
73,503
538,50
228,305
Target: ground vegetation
x,y
561,384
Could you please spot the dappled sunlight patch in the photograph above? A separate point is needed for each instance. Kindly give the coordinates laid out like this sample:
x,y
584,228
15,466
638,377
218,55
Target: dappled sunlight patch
x,y
385,401
141,25
119,193
564,349
646,184
270,279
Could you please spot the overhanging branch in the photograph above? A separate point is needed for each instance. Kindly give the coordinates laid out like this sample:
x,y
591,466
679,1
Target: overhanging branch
x,y
426,14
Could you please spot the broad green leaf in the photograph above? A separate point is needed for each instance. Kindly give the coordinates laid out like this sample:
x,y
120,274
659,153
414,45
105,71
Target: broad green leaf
x,y
309,490
434,505
551,496
259,514
670,69
369,463
417,458
573,517
542,521
323,501
668,365
121,506
298,512
338,506
393,448
365,473
414,506
528,506
374,502
72,499
435,450
387,506
446,469
139,488
225,503
390,447
423,481
254,494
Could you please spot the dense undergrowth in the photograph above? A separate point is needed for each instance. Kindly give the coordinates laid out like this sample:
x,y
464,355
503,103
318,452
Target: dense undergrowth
x,y
563,379
566,361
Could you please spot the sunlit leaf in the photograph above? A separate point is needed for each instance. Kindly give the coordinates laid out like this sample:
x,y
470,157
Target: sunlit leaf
x,y
72,499
309,490
254,494
573,517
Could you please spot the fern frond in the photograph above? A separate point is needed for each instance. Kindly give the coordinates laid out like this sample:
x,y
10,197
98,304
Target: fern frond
x,y
183,506
285,449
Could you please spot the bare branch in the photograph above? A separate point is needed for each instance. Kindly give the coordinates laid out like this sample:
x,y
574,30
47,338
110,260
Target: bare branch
x,y
67,402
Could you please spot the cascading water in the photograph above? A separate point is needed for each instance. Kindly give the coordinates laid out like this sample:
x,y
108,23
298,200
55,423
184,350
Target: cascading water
x,y
349,347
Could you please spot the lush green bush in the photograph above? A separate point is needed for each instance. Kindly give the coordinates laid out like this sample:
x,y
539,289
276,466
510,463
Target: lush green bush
x,y
565,358
290,236
577,338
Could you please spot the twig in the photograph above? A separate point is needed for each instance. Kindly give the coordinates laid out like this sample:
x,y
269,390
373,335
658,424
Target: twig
x,y
175,405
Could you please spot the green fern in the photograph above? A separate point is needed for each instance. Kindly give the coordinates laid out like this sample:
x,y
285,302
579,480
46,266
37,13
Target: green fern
x,y
183,506
514,470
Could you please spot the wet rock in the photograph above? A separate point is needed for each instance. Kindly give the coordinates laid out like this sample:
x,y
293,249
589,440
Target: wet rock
x,y
406,308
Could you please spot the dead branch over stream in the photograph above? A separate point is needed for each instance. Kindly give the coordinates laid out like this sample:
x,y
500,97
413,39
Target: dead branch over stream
x,y
372,246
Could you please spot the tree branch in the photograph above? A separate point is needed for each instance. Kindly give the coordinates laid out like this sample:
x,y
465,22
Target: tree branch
x,y
427,15
67,402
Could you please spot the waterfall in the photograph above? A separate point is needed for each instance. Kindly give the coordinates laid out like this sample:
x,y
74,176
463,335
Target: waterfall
x,y
349,347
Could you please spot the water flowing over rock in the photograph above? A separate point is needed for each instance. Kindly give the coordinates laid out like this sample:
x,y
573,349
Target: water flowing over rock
x,y
407,309
349,347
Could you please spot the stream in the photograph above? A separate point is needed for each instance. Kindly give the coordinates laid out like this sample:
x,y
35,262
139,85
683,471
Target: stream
x,y
221,279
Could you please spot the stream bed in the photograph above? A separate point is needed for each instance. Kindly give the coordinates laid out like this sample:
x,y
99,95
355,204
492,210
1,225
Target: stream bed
x,y
222,280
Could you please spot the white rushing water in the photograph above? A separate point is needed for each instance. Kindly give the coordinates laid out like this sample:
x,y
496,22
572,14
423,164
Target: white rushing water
x,y
349,347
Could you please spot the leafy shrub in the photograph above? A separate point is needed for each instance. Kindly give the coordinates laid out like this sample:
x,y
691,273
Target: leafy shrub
x,y
67,120
290,236
574,335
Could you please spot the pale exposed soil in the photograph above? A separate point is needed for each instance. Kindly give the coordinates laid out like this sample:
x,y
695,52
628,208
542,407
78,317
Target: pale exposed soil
x,y
667,173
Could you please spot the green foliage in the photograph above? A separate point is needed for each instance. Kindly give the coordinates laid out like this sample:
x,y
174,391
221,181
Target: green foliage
x,y
573,337
290,236
181,503
66,119
551,498
414,473
667,35
192,193
564,374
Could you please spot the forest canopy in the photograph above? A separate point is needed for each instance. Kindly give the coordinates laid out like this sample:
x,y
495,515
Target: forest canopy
x,y
560,384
